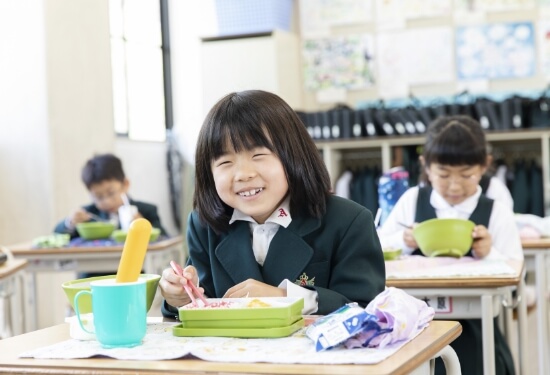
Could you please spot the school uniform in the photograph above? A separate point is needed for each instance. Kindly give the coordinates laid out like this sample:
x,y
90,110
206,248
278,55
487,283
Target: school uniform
x,y
147,210
420,204
338,256
502,225
495,189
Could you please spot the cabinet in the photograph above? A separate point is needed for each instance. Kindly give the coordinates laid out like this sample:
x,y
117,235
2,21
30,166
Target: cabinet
x,y
340,154
265,61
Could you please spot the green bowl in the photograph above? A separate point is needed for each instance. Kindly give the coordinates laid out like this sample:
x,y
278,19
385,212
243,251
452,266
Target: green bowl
x,y
85,302
119,235
391,254
94,230
444,237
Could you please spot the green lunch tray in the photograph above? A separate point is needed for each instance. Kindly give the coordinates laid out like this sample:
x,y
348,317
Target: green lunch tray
x,y
248,323
281,312
239,332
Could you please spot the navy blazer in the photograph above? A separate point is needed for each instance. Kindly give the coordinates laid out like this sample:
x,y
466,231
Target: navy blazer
x,y
339,254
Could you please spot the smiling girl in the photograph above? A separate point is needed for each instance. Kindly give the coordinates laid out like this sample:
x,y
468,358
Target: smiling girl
x,y
264,222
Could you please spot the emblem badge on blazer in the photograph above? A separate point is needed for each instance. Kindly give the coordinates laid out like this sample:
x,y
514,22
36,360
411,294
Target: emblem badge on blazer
x,y
304,280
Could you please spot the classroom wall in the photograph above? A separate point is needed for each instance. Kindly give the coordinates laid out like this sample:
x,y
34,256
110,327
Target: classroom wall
x,y
25,182
55,112
353,97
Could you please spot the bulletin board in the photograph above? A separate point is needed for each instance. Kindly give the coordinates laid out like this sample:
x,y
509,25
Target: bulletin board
x,y
421,47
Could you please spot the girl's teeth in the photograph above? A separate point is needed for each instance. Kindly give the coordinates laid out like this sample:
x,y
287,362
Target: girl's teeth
x,y
251,192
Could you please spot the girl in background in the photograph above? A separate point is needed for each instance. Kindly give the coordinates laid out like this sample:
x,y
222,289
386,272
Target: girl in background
x,y
454,159
264,222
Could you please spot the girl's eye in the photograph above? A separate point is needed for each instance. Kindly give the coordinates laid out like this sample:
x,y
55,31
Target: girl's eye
x,y
221,162
261,152
443,176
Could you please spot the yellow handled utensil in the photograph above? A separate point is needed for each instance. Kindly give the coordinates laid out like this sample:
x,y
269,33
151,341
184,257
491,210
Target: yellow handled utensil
x,y
133,253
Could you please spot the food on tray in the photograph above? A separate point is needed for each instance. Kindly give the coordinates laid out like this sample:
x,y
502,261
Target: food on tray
x,y
51,241
257,303
223,314
222,304
213,305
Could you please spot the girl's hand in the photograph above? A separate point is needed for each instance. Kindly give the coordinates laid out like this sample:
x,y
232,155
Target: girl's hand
x,y
171,285
408,237
254,288
482,241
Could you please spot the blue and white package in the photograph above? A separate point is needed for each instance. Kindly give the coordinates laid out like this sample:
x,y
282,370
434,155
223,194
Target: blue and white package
x,y
391,187
338,326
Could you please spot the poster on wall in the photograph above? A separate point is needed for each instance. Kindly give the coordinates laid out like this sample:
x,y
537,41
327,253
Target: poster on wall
x,y
390,14
318,16
413,57
496,5
344,62
544,47
503,50
394,11
427,8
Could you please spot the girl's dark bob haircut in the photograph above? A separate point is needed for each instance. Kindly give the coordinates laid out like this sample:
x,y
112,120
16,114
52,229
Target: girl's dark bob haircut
x,y
455,140
248,119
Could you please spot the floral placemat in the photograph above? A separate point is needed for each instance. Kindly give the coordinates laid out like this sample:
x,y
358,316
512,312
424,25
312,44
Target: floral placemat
x,y
160,344
441,267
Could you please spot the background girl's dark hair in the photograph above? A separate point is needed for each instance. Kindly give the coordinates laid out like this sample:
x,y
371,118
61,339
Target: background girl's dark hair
x,y
102,168
455,140
251,119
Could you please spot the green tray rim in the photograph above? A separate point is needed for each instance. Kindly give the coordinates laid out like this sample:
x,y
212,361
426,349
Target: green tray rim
x,y
292,309
241,323
276,332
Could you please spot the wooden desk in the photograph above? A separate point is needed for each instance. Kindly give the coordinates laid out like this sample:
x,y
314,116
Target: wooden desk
x,y
490,291
88,259
539,251
412,356
12,284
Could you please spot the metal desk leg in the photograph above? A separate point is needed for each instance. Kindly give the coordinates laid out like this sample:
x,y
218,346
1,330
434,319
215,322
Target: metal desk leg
x,y
6,295
148,265
31,310
154,264
450,359
522,324
19,310
488,335
510,333
542,310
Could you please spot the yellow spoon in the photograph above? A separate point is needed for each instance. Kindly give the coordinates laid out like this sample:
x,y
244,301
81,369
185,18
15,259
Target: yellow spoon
x,y
133,253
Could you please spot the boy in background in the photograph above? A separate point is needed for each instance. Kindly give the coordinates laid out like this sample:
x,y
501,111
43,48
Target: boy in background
x,y
104,178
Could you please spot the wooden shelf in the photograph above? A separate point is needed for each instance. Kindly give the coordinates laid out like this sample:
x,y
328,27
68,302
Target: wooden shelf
x,y
334,150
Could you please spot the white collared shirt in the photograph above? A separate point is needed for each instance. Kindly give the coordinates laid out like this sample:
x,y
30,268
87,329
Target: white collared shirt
x,y
262,234
502,225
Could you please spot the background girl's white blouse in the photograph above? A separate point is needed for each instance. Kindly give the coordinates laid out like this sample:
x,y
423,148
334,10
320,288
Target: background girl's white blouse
x,y
502,226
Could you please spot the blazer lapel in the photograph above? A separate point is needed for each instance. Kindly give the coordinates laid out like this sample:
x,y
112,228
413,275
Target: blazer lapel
x,y
288,253
236,256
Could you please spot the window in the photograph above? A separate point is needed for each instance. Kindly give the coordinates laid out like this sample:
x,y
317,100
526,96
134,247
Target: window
x,y
140,68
